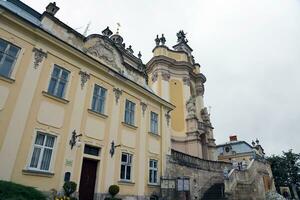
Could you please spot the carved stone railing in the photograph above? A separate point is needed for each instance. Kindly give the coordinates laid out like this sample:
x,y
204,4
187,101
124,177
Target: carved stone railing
x,y
244,177
198,163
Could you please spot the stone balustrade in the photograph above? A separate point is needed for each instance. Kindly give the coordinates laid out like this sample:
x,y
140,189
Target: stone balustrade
x,y
198,163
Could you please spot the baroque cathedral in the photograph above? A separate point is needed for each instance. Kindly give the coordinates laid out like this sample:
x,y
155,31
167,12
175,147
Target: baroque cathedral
x,y
86,109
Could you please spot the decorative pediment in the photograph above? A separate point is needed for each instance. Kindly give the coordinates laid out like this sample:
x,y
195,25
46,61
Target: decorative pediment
x,y
102,50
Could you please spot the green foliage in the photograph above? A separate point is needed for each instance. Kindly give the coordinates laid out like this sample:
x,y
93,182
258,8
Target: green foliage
x,y
13,191
285,168
113,190
69,188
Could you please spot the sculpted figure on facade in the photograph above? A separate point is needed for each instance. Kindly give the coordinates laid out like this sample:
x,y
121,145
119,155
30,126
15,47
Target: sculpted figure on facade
x,y
205,116
191,107
200,89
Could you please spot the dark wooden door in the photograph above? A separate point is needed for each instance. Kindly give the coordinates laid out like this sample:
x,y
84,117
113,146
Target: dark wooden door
x,y
88,179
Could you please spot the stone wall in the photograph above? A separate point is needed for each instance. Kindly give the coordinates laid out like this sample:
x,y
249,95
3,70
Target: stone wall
x,y
201,173
250,184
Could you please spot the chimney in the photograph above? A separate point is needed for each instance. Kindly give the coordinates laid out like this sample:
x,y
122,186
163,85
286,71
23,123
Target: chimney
x,y
52,8
232,138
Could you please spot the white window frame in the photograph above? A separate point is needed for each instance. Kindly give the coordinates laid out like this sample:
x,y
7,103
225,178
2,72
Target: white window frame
x,y
53,155
16,58
98,98
58,80
130,111
156,125
127,164
151,174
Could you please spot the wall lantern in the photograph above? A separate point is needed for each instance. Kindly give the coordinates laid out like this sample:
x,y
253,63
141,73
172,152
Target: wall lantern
x,y
74,138
112,148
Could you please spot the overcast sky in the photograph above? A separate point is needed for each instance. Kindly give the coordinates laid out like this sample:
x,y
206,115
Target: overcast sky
x,y
249,50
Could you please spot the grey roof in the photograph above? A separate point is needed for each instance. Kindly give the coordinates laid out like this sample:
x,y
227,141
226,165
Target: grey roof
x,y
22,10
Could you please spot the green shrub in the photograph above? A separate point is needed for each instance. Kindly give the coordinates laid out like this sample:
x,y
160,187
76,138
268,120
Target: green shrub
x,y
113,190
69,188
14,191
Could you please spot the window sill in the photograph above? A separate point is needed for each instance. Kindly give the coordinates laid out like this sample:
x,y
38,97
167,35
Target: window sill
x,y
37,173
65,101
130,126
97,114
153,185
154,134
6,79
125,182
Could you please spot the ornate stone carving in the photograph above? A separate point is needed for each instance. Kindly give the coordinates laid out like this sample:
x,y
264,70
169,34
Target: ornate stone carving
x,y
186,81
84,76
103,50
154,77
191,107
168,117
200,89
118,93
205,116
165,76
144,107
39,55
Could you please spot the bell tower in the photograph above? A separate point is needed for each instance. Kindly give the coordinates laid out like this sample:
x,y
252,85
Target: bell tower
x,y
175,77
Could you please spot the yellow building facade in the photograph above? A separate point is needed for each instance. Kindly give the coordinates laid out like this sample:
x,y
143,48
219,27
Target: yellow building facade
x,y
54,83
86,109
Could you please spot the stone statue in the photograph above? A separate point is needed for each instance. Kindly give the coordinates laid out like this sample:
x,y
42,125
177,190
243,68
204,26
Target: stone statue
x,y
157,40
205,116
181,37
191,107
163,39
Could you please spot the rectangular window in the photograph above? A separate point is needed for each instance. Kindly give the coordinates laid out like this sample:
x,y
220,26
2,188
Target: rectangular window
x,y
154,123
129,112
42,152
8,57
58,82
99,96
126,165
153,168
91,150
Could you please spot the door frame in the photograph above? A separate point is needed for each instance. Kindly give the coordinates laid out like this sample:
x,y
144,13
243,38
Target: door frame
x,y
98,172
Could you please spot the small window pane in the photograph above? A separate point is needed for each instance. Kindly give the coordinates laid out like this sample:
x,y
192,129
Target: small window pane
x,y
52,85
13,51
128,171
56,72
124,157
39,139
50,141
122,176
3,45
6,66
35,157
46,159
64,75
60,89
